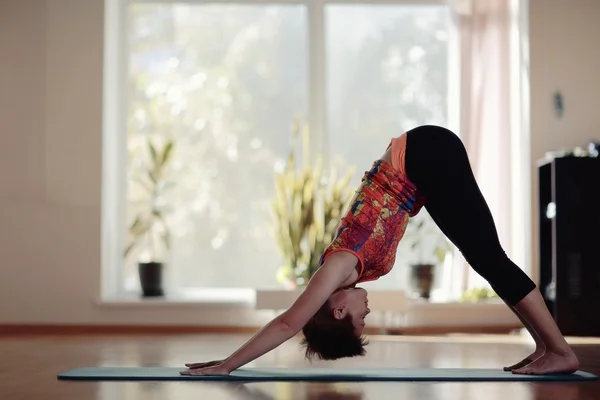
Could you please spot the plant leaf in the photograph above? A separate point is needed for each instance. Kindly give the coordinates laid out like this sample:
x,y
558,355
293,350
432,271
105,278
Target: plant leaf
x,y
143,184
166,237
152,150
139,227
440,254
128,249
167,151
153,177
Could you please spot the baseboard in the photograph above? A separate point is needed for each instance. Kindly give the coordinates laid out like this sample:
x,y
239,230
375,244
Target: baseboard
x,y
442,330
35,329
41,329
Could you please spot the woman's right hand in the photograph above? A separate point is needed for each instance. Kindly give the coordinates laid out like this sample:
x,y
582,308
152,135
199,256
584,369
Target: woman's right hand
x,y
204,364
211,369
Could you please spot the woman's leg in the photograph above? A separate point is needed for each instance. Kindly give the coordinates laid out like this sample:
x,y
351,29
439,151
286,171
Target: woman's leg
x,y
437,162
540,347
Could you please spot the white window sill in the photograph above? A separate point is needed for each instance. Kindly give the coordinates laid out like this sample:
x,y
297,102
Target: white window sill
x,y
379,300
387,300
206,298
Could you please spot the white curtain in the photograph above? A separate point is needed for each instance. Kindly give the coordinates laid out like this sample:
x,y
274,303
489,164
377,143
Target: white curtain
x,y
485,114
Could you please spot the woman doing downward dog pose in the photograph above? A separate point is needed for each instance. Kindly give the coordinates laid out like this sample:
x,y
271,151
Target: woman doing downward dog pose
x,y
425,167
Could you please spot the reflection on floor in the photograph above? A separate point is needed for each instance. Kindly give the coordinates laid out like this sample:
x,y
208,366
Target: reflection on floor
x,y
30,364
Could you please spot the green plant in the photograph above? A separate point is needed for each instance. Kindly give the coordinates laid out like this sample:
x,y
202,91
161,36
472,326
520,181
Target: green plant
x,y
307,207
150,223
477,294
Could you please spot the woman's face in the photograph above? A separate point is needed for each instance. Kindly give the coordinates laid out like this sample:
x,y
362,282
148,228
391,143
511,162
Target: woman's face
x,y
353,302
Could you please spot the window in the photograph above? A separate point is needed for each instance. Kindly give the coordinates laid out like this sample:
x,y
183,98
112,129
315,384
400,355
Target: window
x,y
225,81
387,71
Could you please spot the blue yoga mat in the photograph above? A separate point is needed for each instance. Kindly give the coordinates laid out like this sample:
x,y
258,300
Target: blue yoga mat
x,y
316,374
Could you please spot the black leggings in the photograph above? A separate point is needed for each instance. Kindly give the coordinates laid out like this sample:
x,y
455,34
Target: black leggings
x,y
437,163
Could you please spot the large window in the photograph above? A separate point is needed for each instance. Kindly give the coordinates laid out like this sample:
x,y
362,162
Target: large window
x,y
224,83
387,71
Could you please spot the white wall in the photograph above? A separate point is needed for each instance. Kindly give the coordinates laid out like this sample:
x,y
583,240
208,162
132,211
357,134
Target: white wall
x,y
51,132
23,207
565,57
50,169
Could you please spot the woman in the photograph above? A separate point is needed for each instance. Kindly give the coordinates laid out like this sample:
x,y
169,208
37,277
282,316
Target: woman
x,y
425,167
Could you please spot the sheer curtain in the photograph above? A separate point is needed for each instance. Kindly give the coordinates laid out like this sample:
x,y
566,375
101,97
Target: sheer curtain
x,y
485,123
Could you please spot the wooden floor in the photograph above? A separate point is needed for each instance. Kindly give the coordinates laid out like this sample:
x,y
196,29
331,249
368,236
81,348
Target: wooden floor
x,y
29,367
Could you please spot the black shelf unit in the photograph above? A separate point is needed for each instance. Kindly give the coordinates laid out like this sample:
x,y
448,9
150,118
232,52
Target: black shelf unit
x,y
569,247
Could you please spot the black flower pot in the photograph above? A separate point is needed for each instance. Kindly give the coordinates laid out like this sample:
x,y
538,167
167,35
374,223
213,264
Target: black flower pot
x,y
151,279
422,277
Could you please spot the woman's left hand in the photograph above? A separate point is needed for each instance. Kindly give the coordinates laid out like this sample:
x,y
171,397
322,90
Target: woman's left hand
x,y
218,369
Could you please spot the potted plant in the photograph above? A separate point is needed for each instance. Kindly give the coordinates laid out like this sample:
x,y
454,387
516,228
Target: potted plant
x,y
431,247
476,295
149,228
308,205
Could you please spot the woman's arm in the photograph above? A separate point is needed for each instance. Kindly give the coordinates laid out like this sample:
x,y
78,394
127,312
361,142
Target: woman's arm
x,y
324,282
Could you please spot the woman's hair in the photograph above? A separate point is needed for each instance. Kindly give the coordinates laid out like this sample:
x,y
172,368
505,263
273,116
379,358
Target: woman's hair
x,y
328,338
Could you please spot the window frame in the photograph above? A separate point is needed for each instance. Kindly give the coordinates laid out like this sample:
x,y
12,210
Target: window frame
x,y
115,110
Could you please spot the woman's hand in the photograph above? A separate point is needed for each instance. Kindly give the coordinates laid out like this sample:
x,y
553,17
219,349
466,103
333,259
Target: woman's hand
x,y
204,364
208,368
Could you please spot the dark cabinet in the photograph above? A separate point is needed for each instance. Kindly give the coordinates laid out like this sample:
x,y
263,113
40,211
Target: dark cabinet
x,y
569,247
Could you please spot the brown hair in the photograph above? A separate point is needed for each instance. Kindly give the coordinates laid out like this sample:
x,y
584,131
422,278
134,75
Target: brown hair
x,y
327,338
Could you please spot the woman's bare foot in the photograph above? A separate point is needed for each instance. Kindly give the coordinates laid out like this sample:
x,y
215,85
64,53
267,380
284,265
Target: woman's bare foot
x,y
520,364
540,346
559,357
527,360
551,363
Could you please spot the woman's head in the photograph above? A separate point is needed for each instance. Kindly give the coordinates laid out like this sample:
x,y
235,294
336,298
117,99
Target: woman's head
x,y
336,330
